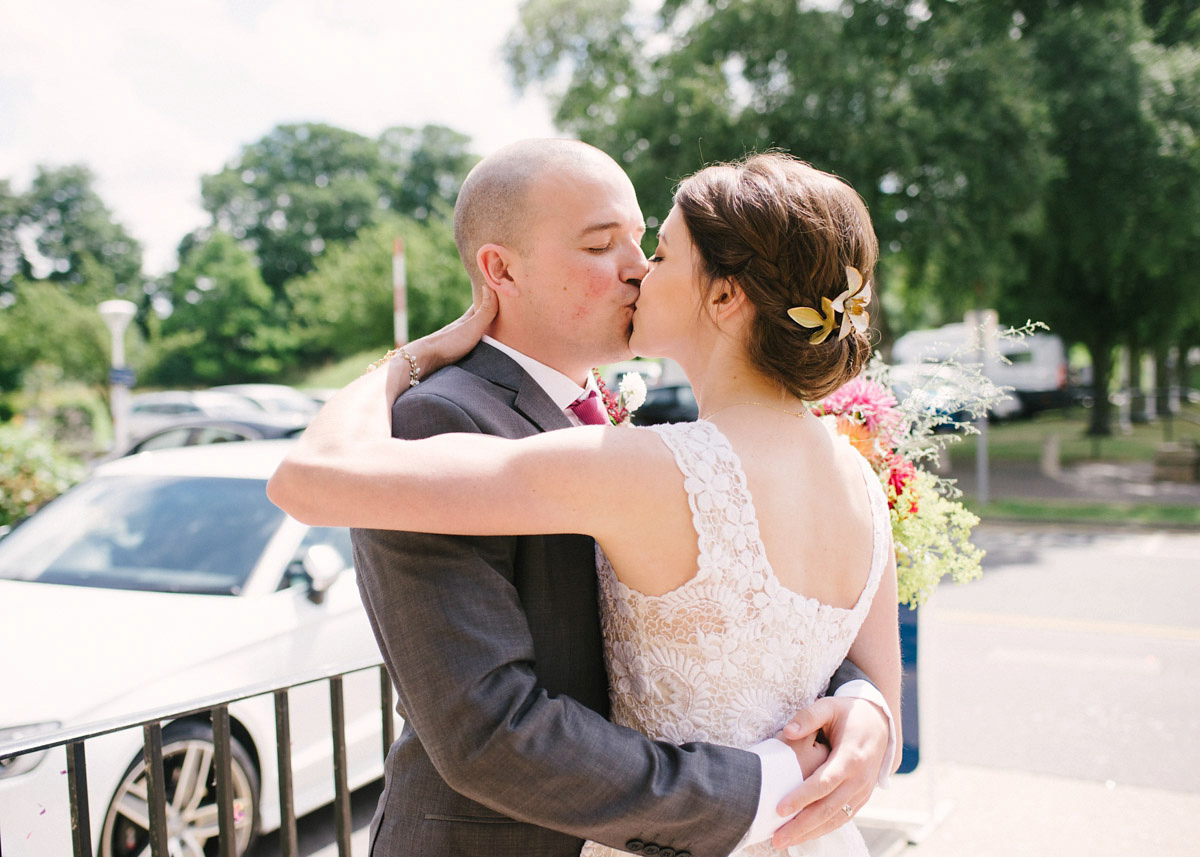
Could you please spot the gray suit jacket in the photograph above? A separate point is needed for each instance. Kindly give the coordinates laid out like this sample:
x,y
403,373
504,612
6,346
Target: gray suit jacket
x,y
494,647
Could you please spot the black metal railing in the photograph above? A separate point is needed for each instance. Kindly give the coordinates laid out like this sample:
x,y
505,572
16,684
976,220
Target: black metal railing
x,y
217,708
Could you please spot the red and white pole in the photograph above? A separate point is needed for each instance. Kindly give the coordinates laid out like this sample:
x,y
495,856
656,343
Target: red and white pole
x,y
399,293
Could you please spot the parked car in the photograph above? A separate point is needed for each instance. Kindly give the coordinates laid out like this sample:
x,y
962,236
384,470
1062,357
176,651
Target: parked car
x,y
164,578
672,403
274,398
1033,367
940,389
197,432
150,412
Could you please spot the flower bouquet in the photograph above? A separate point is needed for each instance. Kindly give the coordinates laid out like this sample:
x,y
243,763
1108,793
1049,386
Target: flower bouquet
x,y
930,526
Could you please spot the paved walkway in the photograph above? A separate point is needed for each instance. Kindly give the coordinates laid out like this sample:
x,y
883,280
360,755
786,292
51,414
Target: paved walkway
x,y
957,810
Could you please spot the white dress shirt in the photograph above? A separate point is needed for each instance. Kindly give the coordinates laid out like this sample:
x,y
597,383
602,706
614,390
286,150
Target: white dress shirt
x,y
561,389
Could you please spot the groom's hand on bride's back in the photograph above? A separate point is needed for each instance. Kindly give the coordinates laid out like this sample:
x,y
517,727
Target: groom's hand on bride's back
x,y
858,734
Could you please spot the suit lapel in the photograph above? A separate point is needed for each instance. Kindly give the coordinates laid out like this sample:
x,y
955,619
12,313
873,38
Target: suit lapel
x,y
529,399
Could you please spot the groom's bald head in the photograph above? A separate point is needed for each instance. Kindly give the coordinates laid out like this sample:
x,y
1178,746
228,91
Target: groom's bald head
x,y
493,205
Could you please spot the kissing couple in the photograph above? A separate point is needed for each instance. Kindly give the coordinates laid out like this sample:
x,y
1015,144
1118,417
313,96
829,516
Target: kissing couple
x,y
673,640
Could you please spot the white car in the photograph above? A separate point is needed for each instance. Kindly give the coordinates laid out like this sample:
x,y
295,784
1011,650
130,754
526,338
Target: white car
x,y
149,412
1033,368
274,398
163,578
942,389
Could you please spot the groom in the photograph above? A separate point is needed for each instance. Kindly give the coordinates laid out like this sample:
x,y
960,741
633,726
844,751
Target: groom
x,y
493,643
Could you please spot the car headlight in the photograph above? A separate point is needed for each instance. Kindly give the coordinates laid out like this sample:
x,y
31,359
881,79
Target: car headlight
x,y
14,766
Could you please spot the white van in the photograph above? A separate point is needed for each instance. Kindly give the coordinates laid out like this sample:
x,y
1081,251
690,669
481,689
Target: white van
x,y
1034,367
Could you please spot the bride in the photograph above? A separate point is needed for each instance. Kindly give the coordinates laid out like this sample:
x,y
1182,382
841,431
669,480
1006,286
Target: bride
x,y
742,557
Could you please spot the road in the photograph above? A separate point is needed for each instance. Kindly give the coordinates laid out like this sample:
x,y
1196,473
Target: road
x,y
1058,705
1059,699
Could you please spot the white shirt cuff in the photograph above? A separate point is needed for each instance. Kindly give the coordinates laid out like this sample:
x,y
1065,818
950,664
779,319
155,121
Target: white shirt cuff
x,y
862,689
781,775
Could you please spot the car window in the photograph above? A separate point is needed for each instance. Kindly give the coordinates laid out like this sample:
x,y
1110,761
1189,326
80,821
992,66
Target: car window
x,y
218,435
165,439
167,534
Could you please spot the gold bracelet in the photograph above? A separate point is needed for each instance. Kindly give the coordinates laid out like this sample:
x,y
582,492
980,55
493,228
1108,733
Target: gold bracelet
x,y
413,369
384,359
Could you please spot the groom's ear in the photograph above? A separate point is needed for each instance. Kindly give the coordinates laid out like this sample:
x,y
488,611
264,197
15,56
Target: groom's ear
x,y
495,262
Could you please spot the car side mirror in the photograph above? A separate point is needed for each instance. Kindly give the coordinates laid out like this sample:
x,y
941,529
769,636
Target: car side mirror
x,y
322,565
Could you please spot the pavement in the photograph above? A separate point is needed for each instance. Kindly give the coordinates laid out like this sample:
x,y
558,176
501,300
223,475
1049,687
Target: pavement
x,y
954,810
947,809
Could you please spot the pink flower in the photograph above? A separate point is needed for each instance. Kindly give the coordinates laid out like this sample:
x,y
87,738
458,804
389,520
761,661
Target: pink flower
x,y
865,401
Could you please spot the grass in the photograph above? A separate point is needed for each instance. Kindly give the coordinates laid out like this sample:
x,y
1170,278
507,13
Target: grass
x,y
339,374
1026,440
1089,513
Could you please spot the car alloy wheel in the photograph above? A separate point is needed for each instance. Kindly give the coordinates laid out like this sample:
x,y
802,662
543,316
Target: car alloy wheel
x,y
189,756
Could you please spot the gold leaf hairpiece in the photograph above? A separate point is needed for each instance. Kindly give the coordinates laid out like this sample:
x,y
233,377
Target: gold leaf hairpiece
x,y
852,304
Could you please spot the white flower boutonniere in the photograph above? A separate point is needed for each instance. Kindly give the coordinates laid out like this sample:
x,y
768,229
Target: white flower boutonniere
x,y
631,393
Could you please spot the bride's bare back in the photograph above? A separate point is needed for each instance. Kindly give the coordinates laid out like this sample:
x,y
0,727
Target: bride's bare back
x,y
808,494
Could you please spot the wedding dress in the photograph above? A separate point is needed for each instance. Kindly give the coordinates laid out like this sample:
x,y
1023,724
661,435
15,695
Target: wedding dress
x,y
731,655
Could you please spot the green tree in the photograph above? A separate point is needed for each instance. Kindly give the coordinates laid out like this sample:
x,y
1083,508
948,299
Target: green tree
x,y
11,256
61,253
307,187
1107,233
1173,21
222,326
929,111
292,192
424,168
67,230
1034,155
345,306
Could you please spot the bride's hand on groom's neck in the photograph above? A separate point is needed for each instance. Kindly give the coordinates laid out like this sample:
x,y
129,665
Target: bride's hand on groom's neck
x,y
443,347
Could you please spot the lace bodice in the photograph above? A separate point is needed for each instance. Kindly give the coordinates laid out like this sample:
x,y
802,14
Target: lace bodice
x,y
731,655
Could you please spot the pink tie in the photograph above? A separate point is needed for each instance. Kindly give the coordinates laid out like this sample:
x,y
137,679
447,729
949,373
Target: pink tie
x,y
589,409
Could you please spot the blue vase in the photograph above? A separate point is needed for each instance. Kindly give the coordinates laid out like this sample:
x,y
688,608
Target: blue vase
x,y
908,699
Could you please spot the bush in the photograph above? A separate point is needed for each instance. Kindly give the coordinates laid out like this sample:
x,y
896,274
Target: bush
x,y
32,473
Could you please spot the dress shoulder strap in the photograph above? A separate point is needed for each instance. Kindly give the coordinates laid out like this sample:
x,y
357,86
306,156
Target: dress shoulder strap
x,y
723,513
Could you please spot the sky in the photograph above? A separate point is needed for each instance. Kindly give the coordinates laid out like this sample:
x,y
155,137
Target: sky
x,y
153,94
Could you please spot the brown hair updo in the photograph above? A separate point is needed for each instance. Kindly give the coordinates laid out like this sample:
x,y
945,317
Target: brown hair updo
x,y
784,232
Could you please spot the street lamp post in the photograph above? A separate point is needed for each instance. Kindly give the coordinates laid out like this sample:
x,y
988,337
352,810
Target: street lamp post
x,y
117,314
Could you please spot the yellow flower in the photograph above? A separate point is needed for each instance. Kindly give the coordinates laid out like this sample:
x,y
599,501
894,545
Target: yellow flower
x,y
852,304
809,317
